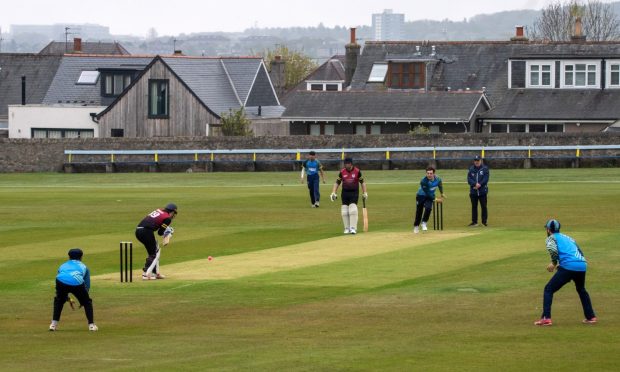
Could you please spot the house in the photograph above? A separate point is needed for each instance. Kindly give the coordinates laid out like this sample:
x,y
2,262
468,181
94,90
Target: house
x,y
523,86
70,93
187,96
24,79
84,47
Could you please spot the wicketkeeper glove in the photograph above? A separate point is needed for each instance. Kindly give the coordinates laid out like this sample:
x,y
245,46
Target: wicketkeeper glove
x,y
169,231
333,196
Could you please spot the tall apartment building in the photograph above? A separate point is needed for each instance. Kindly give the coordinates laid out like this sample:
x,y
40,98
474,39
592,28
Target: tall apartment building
x,y
388,25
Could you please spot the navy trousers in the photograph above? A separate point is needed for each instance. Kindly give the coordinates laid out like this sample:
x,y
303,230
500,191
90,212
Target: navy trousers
x,y
475,199
423,208
557,281
81,294
313,188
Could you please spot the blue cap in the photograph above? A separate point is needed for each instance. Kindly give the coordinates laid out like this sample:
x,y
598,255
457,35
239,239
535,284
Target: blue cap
x,y
75,253
477,157
553,225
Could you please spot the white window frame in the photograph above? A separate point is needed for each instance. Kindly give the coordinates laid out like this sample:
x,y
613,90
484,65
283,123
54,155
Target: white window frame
x,y
324,83
587,62
540,63
608,84
88,77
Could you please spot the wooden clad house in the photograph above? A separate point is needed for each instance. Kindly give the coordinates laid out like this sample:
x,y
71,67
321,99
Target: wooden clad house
x,y
186,96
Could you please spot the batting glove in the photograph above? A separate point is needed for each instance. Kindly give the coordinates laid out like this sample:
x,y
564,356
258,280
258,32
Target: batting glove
x,y
169,231
333,196
365,195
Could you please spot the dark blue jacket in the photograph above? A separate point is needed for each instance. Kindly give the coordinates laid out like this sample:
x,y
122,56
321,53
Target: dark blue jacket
x,y
478,175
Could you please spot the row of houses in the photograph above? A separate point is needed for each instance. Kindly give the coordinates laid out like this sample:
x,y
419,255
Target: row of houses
x,y
383,87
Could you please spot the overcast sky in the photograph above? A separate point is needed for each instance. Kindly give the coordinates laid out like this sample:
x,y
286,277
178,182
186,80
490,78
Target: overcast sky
x,y
173,17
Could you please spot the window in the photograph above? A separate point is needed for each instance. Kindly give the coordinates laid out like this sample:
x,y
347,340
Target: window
x,y
115,82
375,129
499,128
330,129
331,87
517,128
158,98
117,132
88,78
406,75
536,128
581,75
613,79
540,75
62,133
555,128
315,129
360,129
316,87
526,128
377,74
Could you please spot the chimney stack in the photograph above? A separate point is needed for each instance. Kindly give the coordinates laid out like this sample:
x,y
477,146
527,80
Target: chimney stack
x,y
578,36
77,45
519,34
178,52
277,70
351,54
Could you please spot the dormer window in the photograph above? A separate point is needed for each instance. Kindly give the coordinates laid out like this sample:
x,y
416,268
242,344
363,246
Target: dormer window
x,y
409,75
114,82
580,74
321,86
613,74
540,74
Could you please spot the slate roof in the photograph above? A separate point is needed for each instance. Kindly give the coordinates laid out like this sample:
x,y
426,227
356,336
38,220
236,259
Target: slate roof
x,y
39,71
331,70
225,83
64,89
383,106
473,65
88,47
560,104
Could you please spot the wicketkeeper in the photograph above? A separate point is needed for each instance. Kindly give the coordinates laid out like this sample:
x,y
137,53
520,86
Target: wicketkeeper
x,y
351,178
568,260
159,220
73,277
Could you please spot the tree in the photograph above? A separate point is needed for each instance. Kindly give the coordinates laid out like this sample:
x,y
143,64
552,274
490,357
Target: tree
x,y
235,123
297,64
557,21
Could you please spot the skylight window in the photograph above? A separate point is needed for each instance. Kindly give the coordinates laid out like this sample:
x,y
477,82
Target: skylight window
x,y
378,72
88,77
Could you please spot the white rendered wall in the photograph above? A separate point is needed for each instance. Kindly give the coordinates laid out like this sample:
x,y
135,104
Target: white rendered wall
x,y
23,118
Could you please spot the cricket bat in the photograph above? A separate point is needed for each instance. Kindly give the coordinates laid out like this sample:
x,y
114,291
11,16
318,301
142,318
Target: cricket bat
x,y
365,215
154,264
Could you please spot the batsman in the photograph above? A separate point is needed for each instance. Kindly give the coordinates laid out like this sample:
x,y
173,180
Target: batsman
x,y
159,220
351,178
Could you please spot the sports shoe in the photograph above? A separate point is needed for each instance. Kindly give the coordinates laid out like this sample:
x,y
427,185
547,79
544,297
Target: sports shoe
x,y
347,231
160,276
473,224
543,322
485,224
93,327
145,276
53,327
316,205
592,320
352,231
424,228
416,229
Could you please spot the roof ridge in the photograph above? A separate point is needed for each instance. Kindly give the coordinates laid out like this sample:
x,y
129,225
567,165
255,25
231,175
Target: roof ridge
x,y
232,84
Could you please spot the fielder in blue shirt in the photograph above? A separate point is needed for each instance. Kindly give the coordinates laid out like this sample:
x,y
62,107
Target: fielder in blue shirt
x,y
313,168
425,197
73,277
567,258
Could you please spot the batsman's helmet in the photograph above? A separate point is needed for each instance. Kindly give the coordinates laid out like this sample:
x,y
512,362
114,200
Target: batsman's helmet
x,y
553,225
348,160
75,253
171,207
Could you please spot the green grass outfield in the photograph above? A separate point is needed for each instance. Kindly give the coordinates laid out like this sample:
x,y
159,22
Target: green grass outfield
x,y
287,291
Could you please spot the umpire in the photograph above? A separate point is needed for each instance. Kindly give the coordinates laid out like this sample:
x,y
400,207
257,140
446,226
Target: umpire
x,y
478,178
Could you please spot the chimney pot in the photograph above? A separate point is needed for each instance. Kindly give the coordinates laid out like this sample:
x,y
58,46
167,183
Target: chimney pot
x,y
519,31
77,45
353,38
178,52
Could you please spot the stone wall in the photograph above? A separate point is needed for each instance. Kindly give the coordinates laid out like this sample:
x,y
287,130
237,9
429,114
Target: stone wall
x,y
47,155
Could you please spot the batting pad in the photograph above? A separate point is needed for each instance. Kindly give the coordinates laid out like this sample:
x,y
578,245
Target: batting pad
x,y
344,211
353,216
